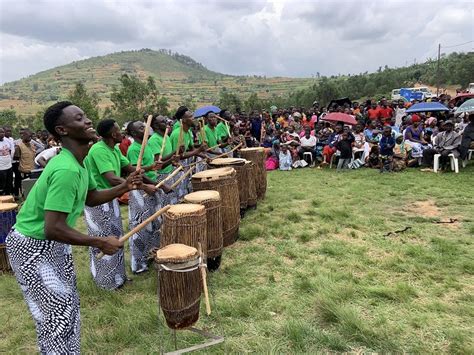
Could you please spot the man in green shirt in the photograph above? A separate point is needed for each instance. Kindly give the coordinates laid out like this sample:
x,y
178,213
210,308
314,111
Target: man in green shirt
x,y
107,164
39,245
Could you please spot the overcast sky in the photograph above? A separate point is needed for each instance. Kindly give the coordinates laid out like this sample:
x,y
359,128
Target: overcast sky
x,y
285,38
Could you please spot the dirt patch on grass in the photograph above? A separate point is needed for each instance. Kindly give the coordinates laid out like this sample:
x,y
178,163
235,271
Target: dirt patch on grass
x,y
426,208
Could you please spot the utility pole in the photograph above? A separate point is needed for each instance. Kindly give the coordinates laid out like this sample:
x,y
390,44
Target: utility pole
x,y
437,71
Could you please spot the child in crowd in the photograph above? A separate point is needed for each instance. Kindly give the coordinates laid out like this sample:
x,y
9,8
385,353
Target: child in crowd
x,y
387,143
344,145
373,159
284,158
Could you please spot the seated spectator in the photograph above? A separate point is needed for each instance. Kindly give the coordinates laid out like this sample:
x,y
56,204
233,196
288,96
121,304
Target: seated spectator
x,y
400,154
330,148
360,145
414,135
446,143
284,159
372,135
373,159
344,145
467,140
431,126
387,143
271,163
308,144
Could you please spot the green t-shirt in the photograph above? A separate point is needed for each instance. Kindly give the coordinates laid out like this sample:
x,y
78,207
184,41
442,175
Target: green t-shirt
x,y
211,136
148,158
155,143
221,131
188,139
62,187
102,159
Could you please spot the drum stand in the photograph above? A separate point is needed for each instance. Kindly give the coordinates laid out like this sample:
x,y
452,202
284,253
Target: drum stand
x,y
210,338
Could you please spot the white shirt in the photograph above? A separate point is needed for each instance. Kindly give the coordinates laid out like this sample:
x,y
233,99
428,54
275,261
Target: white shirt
x,y
11,141
5,154
308,142
47,154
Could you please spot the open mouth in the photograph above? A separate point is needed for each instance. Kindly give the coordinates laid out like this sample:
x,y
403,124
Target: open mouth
x,y
92,130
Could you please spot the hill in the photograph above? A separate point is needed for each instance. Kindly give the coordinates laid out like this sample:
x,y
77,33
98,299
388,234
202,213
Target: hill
x,y
177,76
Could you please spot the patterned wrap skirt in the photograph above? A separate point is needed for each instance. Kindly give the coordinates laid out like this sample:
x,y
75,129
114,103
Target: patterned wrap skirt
x,y
140,208
103,221
45,271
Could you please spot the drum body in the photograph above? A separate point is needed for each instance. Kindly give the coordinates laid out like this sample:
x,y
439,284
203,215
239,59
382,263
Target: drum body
x,y
239,166
211,200
257,156
224,181
185,224
7,199
252,191
180,284
7,220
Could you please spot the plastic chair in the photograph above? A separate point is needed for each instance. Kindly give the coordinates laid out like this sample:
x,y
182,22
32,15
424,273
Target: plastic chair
x,y
469,157
305,154
452,159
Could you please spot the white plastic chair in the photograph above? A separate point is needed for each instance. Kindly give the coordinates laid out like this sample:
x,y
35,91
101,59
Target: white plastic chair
x,y
305,154
452,159
469,157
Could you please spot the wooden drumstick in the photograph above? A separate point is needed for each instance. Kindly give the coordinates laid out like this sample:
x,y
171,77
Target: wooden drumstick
x,y
139,227
162,182
165,137
144,142
227,153
177,182
204,281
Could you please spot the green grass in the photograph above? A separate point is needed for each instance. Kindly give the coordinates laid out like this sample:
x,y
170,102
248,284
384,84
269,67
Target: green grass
x,y
313,271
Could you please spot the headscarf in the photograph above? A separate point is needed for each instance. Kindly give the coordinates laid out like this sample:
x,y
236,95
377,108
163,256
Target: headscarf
x,y
415,118
430,120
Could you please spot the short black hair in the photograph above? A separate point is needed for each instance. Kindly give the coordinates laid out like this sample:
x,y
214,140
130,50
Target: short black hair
x,y
104,127
53,114
180,112
130,127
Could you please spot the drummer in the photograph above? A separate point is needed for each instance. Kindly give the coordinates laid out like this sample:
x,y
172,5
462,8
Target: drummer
x,y
39,245
159,124
186,150
142,203
107,164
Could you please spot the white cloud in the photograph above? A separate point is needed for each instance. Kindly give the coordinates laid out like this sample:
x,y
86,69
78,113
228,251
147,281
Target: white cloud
x,y
275,37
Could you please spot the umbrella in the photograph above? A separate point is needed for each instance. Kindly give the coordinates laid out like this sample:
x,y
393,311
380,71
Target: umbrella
x,y
340,117
467,106
201,111
427,107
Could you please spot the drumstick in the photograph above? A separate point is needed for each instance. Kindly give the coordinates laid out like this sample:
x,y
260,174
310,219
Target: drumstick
x,y
144,142
139,227
228,130
180,139
176,183
162,182
204,282
226,153
164,144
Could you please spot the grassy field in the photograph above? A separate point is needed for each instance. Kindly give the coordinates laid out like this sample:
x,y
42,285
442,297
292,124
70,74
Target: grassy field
x,y
315,270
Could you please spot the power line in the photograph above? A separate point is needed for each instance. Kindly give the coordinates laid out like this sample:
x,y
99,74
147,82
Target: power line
x,y
458,45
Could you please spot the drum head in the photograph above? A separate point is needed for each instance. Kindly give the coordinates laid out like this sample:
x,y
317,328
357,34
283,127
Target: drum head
x,y
176,253
227,161
256,149
8,207
203,195
184,209
214,173
8,198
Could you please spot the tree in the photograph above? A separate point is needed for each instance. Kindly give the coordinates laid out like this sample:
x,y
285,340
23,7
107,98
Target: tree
x,y
87,102
8,118
228,100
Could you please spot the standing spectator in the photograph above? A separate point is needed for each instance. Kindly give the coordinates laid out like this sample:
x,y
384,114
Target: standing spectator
x,y
386,112
6,172
25,153
387,143
373,113
400,112
467,141
344,145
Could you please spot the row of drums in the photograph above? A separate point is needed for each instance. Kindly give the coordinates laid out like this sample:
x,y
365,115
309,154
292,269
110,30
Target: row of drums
x,y
8,212
209,218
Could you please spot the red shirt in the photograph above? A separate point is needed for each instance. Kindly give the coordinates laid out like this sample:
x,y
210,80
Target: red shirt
x,y
373,113
386,112
123,146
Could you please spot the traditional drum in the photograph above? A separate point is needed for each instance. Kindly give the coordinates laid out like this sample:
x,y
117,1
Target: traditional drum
x,y
186,224
211,200
179,284
7,220
257,156
252,191
224,181
7,199
239,166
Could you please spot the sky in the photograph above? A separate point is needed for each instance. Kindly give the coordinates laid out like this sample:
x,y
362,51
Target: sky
x,y
274,38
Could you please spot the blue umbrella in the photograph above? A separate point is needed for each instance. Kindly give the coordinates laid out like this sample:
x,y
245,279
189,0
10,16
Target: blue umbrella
x,y
201,111
427,107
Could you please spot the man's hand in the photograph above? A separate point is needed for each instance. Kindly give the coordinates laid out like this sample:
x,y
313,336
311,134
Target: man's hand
x,y
134,180
149,189
166,188
110,245
203,147
157,165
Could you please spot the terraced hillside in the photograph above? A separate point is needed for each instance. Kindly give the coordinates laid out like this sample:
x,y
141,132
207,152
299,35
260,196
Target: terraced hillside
x,y
177,77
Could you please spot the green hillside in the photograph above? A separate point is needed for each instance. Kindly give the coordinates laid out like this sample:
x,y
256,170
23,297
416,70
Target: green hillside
x,y
177,76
